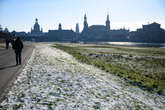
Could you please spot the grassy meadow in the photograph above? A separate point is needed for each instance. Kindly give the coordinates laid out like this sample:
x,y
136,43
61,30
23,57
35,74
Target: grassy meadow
x,y
140,66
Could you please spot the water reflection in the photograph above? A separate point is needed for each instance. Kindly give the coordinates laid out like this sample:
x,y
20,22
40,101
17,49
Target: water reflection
x,y
137,44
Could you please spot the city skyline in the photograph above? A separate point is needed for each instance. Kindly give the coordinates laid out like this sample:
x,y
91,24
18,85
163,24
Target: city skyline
x,y
19,15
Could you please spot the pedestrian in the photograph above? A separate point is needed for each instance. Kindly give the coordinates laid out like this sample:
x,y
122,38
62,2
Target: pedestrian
x,y
12,42
7,43
18,46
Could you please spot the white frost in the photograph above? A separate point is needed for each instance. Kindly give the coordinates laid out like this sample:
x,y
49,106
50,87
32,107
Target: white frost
x,y
53,79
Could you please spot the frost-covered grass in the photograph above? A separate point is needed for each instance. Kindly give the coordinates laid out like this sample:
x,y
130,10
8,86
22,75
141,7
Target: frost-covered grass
x,y
54,80
144,67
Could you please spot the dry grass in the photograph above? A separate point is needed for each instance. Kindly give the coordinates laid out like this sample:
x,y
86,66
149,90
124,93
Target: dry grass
x,y
143,67
2,46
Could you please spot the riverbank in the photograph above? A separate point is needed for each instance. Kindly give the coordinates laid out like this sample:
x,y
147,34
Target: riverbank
x,y
53,79
140,66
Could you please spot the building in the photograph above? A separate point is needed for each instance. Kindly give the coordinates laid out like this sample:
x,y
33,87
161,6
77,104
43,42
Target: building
x,y
97,33
152,26
148,33
36,31
77,32
60,35
6,30
96,27
77,29
85,24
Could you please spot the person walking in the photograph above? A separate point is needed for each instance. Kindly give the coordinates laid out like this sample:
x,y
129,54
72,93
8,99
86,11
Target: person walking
x,y
18,46
12,42
7,43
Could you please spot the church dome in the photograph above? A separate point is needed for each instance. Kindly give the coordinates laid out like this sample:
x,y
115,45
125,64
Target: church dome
x,y
36,26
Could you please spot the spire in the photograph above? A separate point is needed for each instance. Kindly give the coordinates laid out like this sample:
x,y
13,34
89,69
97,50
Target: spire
x,y
108,17
60,27
85,17
85,23
108,22
77,28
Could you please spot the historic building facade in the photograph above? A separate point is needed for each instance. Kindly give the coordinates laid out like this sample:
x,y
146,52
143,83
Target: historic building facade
x,y
36,31
102,32
60,35
97,33
148,33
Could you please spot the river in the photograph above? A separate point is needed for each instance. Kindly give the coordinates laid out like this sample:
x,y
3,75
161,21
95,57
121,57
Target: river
x,y
136,44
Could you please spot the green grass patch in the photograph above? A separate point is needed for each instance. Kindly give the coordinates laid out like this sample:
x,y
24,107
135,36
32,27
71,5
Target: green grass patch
x,y
138,71
143,50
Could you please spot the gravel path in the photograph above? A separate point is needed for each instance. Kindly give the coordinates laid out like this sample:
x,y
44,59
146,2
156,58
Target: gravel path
x,y
54,80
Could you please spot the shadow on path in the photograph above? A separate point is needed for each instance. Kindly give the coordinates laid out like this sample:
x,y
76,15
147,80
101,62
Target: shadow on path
x,y
6,67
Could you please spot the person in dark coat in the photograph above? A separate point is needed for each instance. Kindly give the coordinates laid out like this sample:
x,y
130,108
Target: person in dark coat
x,y
18,46
7,43
12,43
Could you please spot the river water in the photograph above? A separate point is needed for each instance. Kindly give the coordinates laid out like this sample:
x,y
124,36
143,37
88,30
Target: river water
x,y
137,44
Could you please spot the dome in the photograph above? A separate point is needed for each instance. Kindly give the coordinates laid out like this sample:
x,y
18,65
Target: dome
x,y
36,26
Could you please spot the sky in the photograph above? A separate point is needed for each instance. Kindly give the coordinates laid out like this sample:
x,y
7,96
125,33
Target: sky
x,y
20,15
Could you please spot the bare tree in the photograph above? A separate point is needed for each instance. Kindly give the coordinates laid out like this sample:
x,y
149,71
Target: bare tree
x,y
1,29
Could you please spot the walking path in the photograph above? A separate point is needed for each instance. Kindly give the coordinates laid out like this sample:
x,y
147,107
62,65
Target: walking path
x,y
54,80
8,68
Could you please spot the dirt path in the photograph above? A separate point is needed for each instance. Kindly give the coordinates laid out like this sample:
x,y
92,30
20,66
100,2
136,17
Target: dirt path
x,y
8,68
54,80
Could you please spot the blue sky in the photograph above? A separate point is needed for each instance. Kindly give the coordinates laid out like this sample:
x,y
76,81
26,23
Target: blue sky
x,y
19,15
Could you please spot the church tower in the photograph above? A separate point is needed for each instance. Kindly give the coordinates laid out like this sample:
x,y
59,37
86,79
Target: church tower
x,y
60,27
108,23
77,28
85,23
